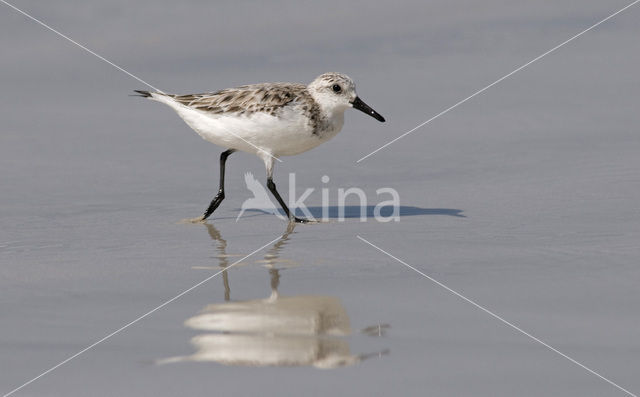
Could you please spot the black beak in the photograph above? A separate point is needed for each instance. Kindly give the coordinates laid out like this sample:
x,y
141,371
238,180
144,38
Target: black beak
x,y
358,104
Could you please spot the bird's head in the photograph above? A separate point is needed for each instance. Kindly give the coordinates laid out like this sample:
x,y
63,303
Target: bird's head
x,y
337,92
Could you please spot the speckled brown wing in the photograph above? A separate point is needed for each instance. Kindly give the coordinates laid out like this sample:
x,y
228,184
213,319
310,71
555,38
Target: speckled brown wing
x,y
268,98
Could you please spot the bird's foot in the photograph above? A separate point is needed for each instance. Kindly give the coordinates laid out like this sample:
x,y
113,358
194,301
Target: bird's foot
x,y
200,219
295,219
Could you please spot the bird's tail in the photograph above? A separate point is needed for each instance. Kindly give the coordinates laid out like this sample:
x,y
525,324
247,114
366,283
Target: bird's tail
x,y
141,93
161,97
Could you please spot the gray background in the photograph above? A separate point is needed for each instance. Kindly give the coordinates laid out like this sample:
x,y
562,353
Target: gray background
x,y
544,168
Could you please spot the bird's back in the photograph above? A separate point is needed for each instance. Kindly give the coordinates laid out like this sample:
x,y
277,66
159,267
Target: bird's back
x,y
267,98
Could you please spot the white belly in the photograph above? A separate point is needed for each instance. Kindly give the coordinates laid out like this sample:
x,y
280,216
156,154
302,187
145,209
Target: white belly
x,y
285,135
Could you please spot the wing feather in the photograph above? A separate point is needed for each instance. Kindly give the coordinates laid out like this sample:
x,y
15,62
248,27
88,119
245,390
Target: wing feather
x,y
269,98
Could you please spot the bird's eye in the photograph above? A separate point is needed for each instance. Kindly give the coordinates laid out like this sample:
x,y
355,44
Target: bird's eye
x,y
336,88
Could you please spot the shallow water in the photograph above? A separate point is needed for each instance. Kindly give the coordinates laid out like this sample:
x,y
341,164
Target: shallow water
x,y
523,199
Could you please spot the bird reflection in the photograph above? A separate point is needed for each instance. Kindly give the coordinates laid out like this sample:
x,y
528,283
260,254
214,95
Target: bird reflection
x,y
303,330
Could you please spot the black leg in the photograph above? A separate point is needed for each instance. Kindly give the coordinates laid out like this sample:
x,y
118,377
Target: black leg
x,y
272,189
220,196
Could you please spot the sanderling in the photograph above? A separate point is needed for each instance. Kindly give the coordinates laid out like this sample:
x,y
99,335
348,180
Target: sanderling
x,y
269,120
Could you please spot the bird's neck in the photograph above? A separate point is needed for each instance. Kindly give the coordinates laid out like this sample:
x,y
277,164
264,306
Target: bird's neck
x,y
331,121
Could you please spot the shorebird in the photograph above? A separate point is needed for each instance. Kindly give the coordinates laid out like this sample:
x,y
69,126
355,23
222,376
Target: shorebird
x,y
269,120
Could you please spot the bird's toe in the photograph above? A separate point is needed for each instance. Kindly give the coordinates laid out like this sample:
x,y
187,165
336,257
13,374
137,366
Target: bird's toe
x,y
302,220
200,219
